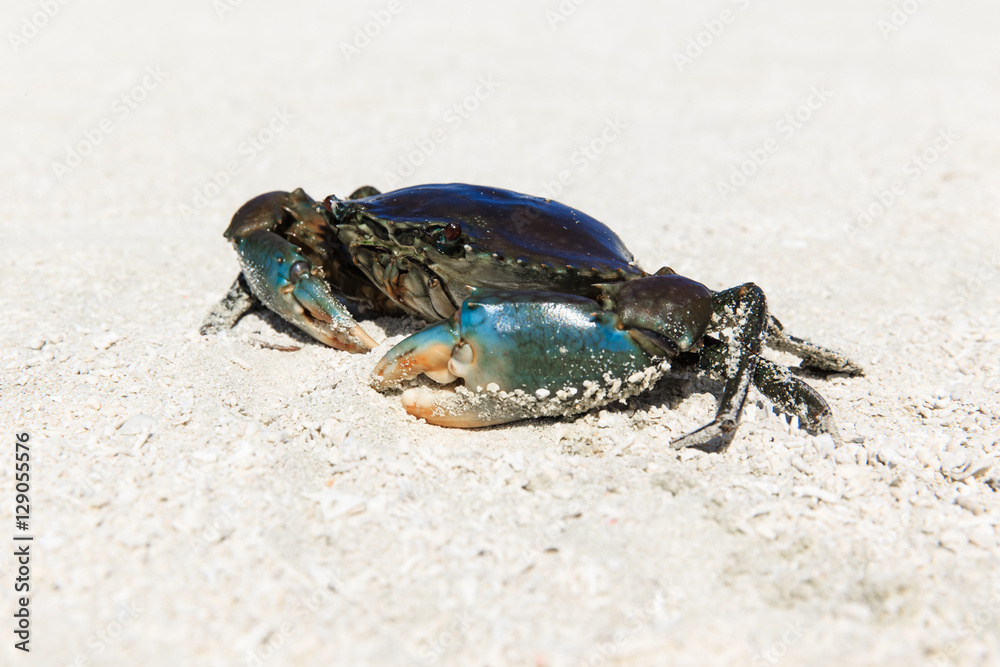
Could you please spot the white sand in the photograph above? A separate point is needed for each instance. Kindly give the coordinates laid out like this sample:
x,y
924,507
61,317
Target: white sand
x,y
206,502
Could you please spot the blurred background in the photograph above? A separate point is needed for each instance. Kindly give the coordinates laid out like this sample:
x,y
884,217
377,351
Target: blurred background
x,y
649,113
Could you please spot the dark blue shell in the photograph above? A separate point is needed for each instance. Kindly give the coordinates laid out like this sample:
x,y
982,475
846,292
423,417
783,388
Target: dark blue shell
x,y
510,225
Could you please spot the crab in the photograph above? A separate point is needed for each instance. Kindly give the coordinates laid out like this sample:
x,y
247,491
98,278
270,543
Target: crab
x,y
538,309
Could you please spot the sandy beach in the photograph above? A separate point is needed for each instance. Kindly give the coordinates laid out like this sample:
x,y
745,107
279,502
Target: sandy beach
x,y
211,501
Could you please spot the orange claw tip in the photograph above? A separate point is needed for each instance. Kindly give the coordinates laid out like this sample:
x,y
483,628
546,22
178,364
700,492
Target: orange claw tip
x,y
407,360
367,341
423,403
427,351
353,339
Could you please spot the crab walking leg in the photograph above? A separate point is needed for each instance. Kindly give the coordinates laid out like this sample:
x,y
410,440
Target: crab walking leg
x,y
812,355
283,279
795,397
788,393
521,355
745,309
224,315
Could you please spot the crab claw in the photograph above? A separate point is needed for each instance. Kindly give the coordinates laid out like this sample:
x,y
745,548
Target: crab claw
x,y
520,354
283,279
428,352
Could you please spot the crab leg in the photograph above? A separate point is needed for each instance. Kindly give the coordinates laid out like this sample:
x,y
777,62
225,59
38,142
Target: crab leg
x,y
283,278
520,354
795,397
745,309
225,314
790,394
812,355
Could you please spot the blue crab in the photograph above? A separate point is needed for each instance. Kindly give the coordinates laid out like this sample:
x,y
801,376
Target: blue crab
x,y
538,308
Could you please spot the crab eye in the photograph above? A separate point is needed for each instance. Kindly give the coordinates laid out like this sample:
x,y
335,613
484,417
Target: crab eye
x,y
452,231
298,270
331,204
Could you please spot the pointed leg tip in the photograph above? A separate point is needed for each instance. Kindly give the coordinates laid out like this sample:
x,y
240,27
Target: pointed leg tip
x,y
845,366
721,432
698,438
827,424
853,368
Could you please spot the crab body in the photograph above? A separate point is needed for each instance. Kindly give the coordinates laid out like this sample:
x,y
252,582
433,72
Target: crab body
x,y
540,309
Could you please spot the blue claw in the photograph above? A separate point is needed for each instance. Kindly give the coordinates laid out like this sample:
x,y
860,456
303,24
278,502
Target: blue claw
x,y
521,354
282,278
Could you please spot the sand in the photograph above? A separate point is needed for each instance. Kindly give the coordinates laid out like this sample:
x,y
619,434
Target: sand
x,y
208,501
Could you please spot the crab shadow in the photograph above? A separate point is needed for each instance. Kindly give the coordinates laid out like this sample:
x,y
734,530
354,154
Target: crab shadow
x,y
686,381
391,325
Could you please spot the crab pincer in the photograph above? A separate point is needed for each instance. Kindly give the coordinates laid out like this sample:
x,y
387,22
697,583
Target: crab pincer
x,y
520,354
523,353
283,278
